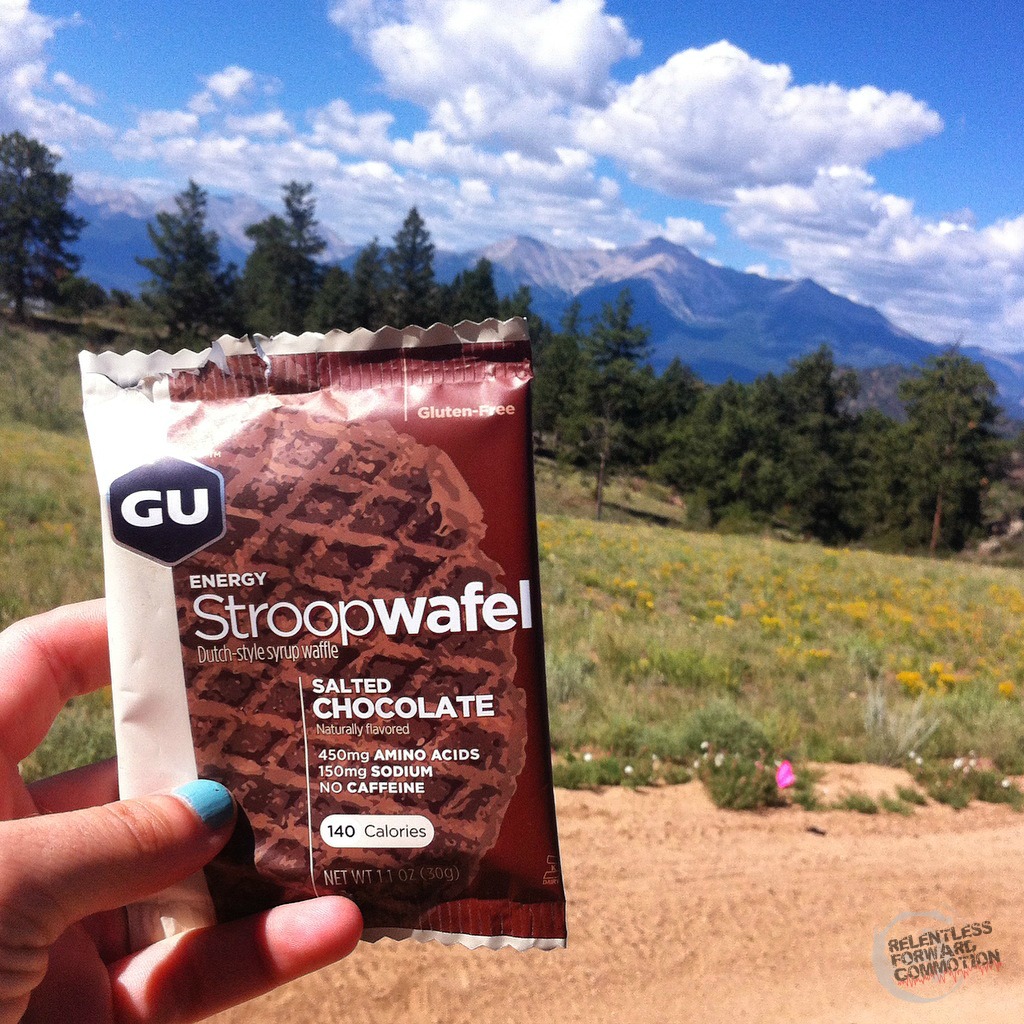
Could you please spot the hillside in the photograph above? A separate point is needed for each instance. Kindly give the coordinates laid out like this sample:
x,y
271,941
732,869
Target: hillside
x,y
650,628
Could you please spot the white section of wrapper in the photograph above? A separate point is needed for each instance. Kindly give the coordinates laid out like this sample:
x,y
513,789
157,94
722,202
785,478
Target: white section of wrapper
x,y
140,370
517,942
151,723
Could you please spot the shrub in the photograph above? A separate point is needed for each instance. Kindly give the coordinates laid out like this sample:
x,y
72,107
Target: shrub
x,y
859,802
593,772
910,795
724,727
739,782
958,782
892,733
896,806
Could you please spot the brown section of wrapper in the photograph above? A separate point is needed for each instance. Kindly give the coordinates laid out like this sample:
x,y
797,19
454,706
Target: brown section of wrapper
x,y
325,512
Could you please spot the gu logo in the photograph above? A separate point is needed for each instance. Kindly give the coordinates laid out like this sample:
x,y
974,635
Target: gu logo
x,y
167,510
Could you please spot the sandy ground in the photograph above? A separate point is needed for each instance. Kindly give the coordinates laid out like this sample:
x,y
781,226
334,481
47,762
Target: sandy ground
x,y
680,912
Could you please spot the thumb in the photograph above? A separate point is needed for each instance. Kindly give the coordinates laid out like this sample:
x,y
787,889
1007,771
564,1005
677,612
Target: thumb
x,y
58,868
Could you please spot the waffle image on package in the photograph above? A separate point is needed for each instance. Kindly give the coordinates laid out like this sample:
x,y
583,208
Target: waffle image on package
x,y
321,573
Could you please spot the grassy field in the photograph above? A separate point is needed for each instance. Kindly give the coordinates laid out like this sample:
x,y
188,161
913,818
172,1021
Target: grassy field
x,y
833,654
663,645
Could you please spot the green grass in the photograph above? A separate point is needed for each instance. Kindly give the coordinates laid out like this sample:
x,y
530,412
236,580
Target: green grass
x,y
49,522
50,550
859,802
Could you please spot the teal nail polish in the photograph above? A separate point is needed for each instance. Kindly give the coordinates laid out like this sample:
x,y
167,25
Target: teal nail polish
x,y
210,800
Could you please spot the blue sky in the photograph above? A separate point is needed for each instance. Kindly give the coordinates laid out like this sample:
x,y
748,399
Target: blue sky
x,y
874,147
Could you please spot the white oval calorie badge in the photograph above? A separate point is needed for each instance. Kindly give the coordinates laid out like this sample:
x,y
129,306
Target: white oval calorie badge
x,y
377,831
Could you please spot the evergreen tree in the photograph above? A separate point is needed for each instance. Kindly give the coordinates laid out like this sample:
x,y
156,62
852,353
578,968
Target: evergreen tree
x,y
266,297
810,432
668,400
557,366
615,337
332,305
281,275
412,289
519,304
613,384
472,295
711,454
307,244
36,226
369,288
189,291
952,447
78,294
880,468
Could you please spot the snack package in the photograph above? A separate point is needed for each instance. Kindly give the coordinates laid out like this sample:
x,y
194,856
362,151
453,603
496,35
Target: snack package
x,y
322,586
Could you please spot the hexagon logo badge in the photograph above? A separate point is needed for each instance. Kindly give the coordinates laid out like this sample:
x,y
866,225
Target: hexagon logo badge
x,y
168,509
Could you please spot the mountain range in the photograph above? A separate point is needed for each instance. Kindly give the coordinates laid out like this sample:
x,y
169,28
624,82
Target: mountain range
x,y
721,322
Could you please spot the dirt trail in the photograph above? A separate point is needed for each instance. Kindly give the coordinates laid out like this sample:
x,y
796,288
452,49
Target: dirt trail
x,y
681,912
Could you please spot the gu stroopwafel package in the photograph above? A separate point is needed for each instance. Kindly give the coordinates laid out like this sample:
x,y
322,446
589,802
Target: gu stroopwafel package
x,y
321,574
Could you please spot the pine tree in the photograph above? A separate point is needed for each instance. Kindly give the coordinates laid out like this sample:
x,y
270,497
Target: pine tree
x,y
820,446
282,274
950,437
189,291
332,305
557,371
412,289
36,226
307,244
472,295
369,288
266,294
616,347
615,336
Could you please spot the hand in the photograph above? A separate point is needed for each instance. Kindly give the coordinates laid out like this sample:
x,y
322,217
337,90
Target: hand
x,y
71,858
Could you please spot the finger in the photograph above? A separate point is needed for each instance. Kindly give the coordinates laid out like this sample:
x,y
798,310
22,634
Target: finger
x,y
81,787
75,987
200,973
59,868
48,659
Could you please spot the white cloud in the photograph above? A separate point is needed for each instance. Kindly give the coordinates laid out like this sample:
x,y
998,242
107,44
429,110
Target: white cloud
x,y
24,82
476,192
565,170
943,278
492,69
76,90
154,124
339,128
137,197
691,233
23,33
268,124
235,162
230,83
710,120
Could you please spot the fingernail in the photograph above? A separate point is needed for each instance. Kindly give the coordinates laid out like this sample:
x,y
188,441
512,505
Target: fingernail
x,y
210,800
